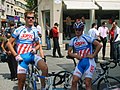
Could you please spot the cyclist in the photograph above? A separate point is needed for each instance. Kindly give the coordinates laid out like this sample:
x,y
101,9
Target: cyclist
x,y
25,37
81,45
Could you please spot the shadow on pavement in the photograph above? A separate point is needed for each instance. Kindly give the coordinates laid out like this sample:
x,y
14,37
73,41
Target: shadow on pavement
x,y
5,75
68,67
15,88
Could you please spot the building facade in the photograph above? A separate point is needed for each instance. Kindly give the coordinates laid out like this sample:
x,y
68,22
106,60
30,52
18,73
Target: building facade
x,y
12,10
51,11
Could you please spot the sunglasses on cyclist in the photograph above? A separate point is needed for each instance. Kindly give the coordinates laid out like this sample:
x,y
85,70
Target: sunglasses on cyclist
x,y
79,29
30,17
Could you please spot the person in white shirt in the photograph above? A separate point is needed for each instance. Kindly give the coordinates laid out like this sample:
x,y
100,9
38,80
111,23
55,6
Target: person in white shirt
x,y
103,30
93,32
116,41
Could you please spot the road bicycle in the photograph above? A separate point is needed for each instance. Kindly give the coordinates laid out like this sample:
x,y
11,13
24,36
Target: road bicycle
x,y
102,79
54,81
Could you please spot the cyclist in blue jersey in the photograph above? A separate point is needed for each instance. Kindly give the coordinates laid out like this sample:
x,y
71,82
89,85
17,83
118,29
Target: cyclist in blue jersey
x,y
25,37
81,45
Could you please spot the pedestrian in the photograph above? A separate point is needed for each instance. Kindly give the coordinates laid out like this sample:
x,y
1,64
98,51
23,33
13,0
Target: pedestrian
x,y
116,42
68,27
12,63
103,30
39,32
25,37
55,38
93,32
111,38
47,37
81,44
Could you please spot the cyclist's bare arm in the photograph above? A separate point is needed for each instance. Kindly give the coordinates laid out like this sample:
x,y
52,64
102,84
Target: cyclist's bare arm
x,y
41,51
37,45
73,55
98,47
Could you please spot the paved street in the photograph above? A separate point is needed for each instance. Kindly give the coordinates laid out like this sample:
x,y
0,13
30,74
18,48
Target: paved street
x,y
54,64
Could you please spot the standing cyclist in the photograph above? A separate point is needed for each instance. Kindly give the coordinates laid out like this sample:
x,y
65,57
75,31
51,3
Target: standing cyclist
x,y
25,37
82,47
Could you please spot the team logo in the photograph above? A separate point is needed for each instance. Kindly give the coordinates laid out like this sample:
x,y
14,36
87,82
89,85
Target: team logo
x,y
27,36
79,43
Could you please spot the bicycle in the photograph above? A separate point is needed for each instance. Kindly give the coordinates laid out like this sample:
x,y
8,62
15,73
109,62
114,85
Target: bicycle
x,y
102,79
54,80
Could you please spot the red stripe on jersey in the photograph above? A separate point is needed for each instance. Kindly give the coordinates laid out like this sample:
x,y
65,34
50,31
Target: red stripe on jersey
x,y
20,45
29,48
84,53
88,51
25,47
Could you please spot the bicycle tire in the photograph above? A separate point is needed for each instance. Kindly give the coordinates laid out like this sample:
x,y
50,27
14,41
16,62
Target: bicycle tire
x,y
61,79
31,80
108,83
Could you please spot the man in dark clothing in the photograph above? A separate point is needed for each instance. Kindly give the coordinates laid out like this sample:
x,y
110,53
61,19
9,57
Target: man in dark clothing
x,y
12,63
56,41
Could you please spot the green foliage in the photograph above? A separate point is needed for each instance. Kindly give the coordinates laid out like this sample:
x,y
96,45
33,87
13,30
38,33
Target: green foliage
x,y
31,4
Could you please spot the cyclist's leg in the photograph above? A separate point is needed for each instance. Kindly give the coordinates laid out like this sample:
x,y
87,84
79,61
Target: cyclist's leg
x,y
75,82
76,77
43,67
88,82
21,74
90,68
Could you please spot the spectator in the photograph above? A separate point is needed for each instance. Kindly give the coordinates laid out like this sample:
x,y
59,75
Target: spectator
x,y
103,30
93,32
12,63
68,27
56,46
111,38
47,37
116,42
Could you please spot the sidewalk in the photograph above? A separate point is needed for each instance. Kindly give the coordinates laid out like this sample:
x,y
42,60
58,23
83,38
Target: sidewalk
x,y
54,64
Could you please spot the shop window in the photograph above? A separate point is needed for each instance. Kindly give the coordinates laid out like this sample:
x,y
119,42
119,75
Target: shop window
x,y
107,14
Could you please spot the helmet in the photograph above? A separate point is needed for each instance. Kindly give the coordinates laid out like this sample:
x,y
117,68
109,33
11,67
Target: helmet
x,y
78,25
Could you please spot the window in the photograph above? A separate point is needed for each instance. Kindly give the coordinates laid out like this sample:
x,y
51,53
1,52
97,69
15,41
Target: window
x,y
3,13
7,8
107,14
11,9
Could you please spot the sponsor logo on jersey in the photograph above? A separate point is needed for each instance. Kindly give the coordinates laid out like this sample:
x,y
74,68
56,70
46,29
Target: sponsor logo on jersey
x,y
27,36
79,43
92,68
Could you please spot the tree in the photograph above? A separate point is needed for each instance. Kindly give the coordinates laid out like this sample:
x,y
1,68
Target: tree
x,y
31,4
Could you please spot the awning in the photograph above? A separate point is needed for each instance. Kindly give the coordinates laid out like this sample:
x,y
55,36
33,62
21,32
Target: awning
x,y
80,5
22,1
109,5
19,9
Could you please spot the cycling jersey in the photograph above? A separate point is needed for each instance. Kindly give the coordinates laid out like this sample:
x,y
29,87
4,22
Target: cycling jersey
x,y
25,39
83,46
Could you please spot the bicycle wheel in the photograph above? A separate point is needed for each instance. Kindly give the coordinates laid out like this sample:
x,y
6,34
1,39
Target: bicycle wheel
x,y
108,83
62,79
29,84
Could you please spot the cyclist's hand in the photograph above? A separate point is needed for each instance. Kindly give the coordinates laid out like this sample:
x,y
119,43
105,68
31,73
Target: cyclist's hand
x,y
77,56
18,58
33,50
90,56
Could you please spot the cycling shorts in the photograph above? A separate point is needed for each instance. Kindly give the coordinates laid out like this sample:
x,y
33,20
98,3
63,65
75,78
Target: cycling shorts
x,y
27,59
85,66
